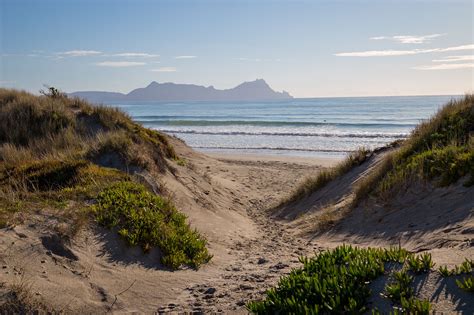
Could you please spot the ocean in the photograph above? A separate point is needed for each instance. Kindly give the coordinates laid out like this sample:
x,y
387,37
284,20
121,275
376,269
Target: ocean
x,y
298,127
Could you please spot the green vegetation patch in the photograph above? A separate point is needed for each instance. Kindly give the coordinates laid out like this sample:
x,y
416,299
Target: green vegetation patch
x,y
338,281
335,281
467,283
47,174
440,150
148,220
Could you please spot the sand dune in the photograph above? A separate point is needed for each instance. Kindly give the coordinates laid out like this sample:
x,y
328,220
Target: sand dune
x,y
227,200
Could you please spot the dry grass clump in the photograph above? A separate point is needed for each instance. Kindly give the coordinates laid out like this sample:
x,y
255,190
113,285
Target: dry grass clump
x,y
312,184
18,298
35,127
440,149
52,149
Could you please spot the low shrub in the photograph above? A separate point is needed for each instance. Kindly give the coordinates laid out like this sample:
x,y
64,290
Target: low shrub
x,y
335,281
420,263
444,271
401,286
467,283
464,268
148,220
415,306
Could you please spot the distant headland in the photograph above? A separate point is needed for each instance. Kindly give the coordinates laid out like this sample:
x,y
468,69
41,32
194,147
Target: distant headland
x,y
247,91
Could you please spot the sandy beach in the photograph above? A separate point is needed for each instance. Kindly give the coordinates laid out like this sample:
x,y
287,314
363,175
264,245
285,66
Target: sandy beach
x,y
227,198
324,161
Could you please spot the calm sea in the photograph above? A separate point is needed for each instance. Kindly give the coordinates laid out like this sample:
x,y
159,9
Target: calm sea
x,y
302,127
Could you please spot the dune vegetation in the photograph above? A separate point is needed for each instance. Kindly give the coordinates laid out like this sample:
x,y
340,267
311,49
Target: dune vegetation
x,y
338,281
79,162
312,184
440,150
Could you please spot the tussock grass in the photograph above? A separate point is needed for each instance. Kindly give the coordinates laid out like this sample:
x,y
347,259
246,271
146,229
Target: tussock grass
x,y
440,149
312,184
61,155
34,127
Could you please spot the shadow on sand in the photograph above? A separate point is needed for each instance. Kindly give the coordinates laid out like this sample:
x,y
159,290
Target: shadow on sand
x,y
116,250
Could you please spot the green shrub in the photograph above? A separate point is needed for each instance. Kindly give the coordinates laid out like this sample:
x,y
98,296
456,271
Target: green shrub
x,y
420,263
401,287
148,220
335,281
401,291
444,271
466,284
464,268
415,306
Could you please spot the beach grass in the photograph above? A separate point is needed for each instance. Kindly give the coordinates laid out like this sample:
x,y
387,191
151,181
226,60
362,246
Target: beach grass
x,y
440,150
312,184
59,155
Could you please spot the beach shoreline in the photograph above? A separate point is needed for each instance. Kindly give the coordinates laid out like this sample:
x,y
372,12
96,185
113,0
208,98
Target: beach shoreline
x,y
328,161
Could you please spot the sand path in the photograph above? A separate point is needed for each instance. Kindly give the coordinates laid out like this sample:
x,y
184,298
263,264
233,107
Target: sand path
x,y
226,199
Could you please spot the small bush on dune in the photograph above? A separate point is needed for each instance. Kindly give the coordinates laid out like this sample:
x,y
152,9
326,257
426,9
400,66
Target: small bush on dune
x,y
149,220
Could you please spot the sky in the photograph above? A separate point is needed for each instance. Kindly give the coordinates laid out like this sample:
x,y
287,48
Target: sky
x,y
308,48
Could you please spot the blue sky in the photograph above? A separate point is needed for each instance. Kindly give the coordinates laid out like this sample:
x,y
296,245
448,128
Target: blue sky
x,y
308,48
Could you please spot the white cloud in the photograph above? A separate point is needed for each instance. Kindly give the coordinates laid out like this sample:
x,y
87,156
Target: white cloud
x,y
119,64
378,37
380,53
79,53
185,57
446,66
386,53
456,48
135,54
164,69
409,39
455,58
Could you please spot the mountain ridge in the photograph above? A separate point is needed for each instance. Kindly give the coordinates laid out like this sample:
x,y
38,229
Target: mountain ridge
x,y
168,91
